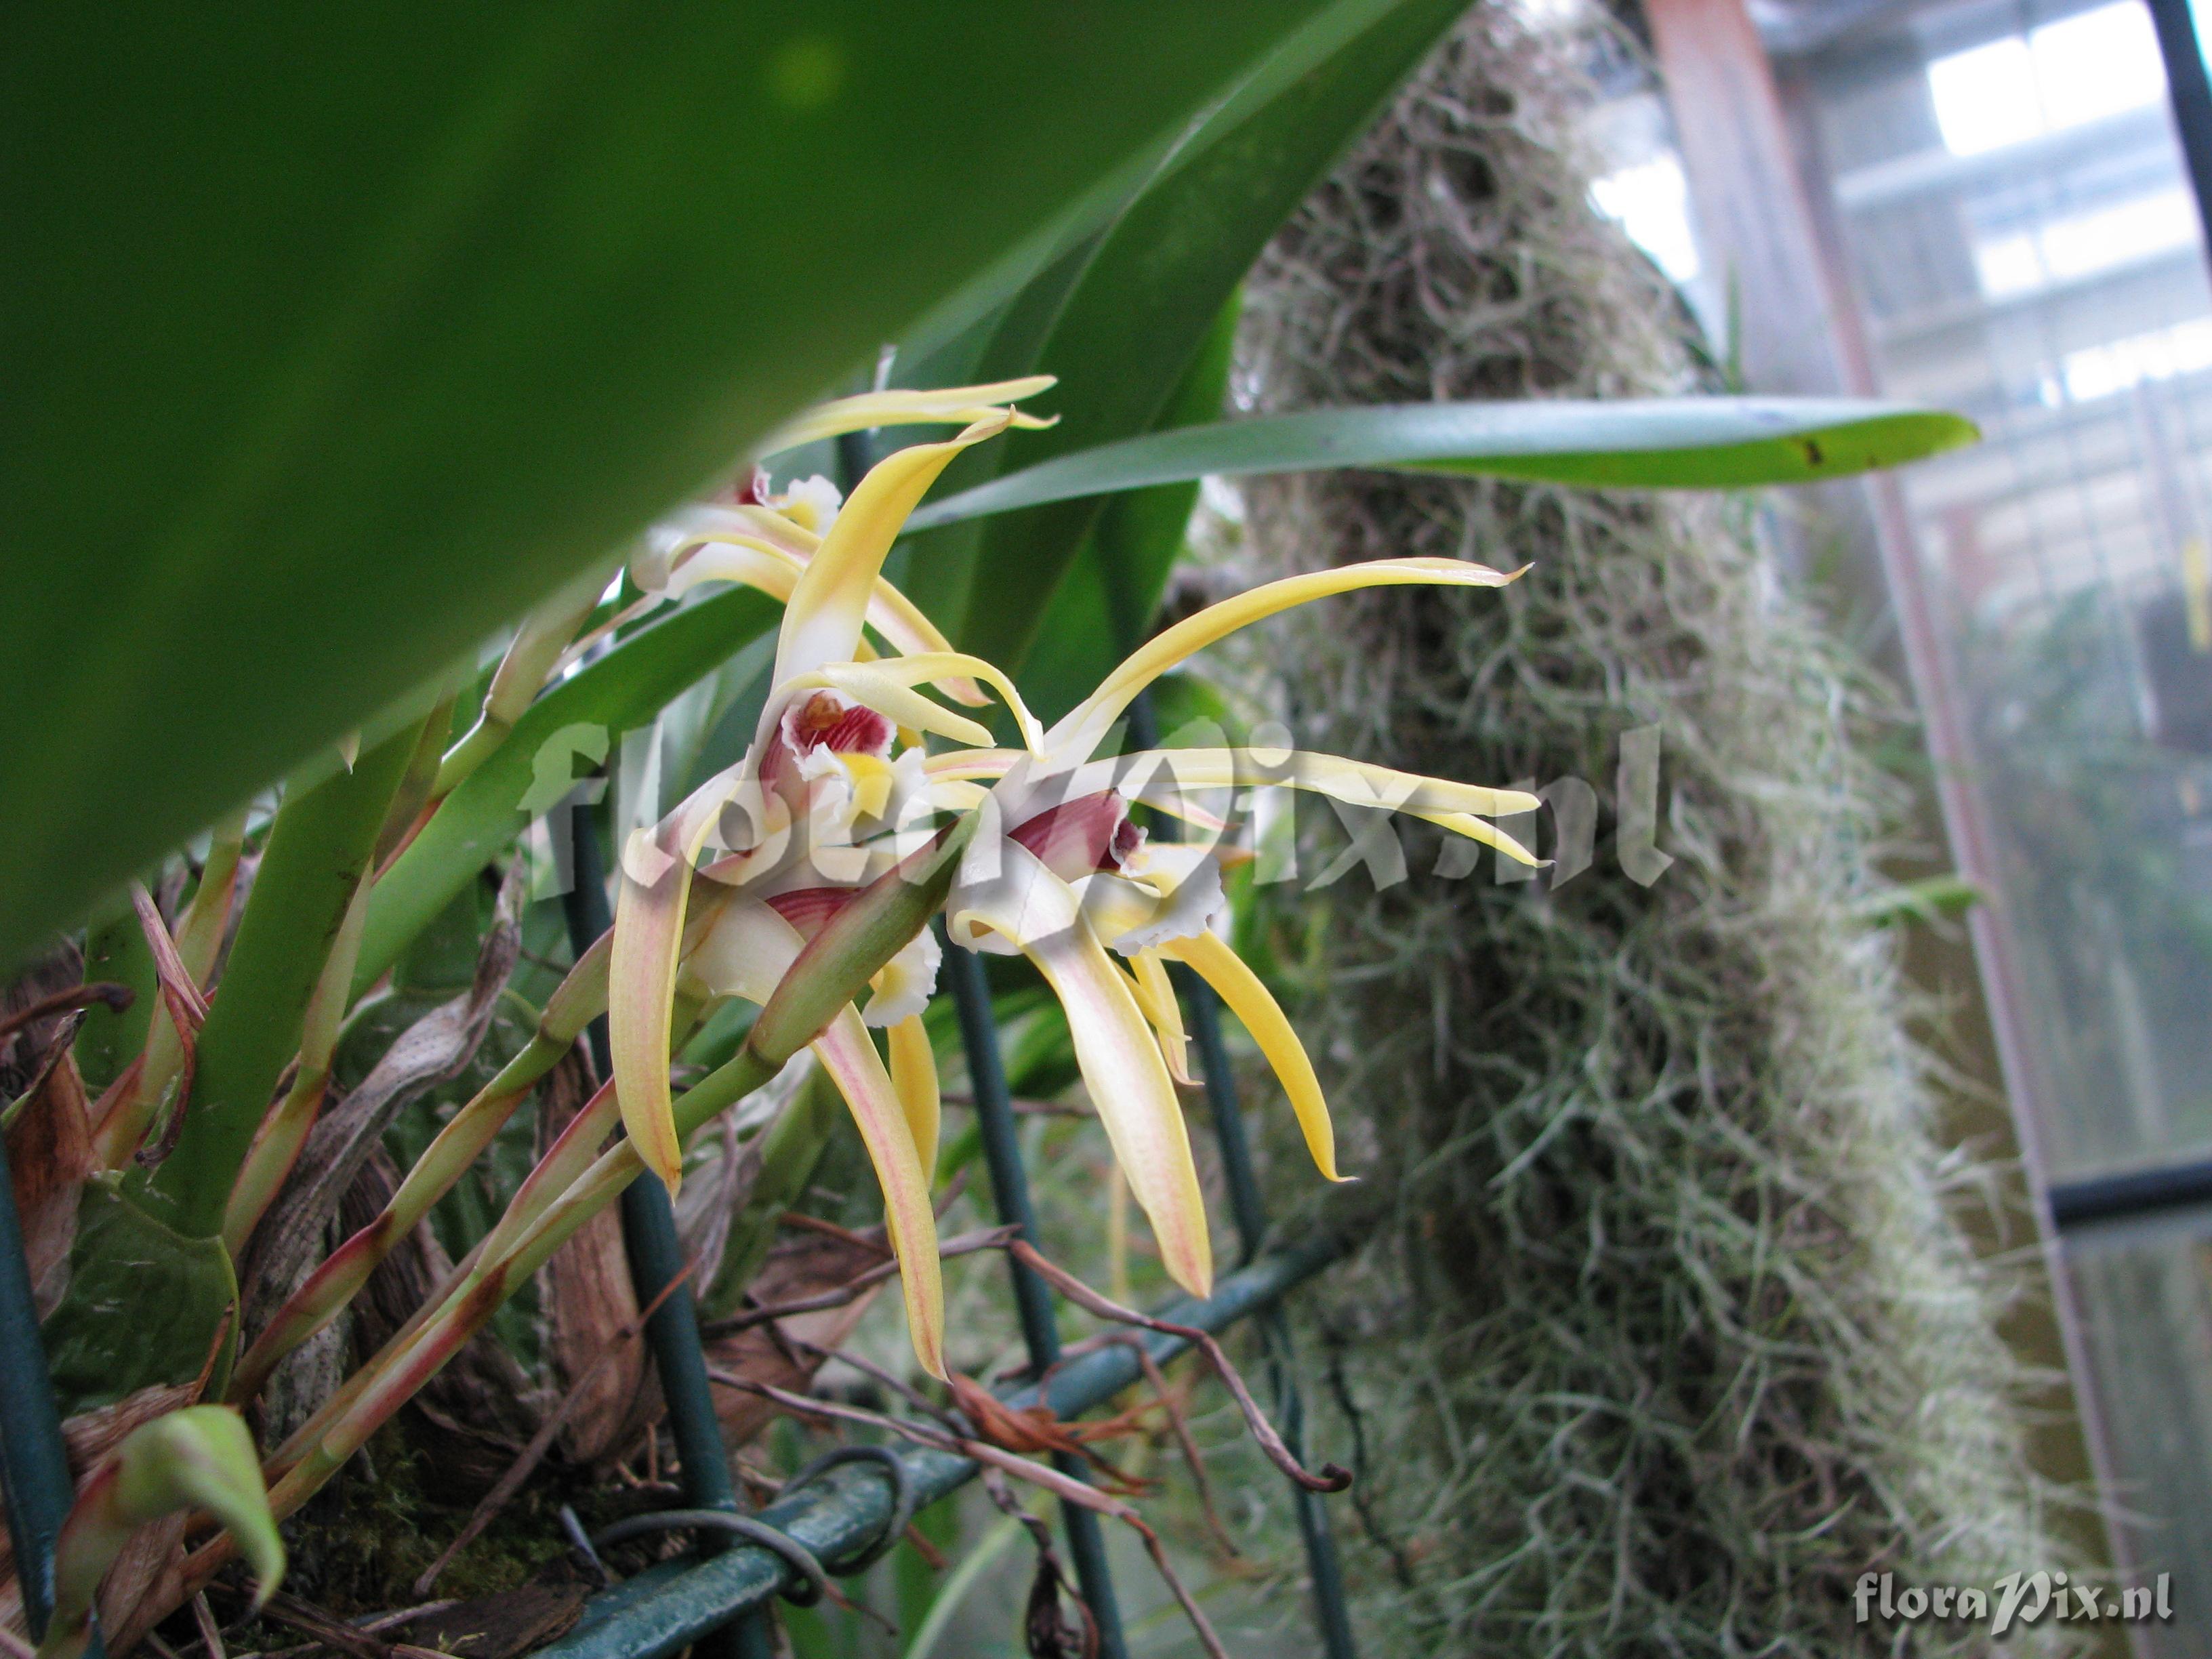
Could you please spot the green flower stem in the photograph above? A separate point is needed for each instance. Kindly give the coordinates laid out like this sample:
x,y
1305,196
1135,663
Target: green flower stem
x,y
833,968
417,785
318,852
200,935
580,999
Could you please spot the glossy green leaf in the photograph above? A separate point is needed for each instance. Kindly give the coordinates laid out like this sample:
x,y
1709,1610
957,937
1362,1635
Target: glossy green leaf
x,y
1131,326
331,343
573,728
145,1306
1101,609
1679,443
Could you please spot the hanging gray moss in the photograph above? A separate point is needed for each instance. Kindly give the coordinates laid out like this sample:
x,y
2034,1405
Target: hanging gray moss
x,y
1661,1332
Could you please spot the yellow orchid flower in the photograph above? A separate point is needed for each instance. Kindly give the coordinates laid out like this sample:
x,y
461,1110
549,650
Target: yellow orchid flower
x,y
719,899
1069,879
819,783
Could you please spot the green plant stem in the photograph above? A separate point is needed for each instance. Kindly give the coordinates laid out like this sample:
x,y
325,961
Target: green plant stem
x,y
580,999
199,937
398,1373
200,940
537,647
417,785
319,852
830,973
276,1147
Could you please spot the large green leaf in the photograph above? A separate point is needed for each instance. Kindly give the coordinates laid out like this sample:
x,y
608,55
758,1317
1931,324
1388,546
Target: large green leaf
x,y
333,339
1101,609
576,724
1129,328
1674,443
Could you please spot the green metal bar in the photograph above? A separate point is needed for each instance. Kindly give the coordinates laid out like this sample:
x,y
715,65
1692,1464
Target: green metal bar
x,y
39,1490
1009,1188
649,1241
850,1507
1248,1210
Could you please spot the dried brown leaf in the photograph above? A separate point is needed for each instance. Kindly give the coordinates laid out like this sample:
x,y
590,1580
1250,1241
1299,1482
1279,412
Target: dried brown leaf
x,y
49,1155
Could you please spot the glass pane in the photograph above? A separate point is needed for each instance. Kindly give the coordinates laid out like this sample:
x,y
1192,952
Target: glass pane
x,y
2012,197
2145,1292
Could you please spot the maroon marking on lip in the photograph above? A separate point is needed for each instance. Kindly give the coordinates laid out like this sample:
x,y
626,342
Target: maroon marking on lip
x,y
1079,836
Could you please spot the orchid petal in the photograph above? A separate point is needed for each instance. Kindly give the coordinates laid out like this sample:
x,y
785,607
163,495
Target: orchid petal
x,y
821,621
1356,783
950,668
1481,830
954,795
1253,1003
1114,1049
656,882
759,549
1140,914
974,762
867,683
1157,998
906,982
905,408
913,1078
745,953
850,1058
1085,725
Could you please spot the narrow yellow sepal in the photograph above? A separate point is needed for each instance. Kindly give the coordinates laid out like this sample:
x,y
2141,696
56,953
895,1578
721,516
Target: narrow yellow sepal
x,y
1114,1049
758,549
1255,1006
850,1058
1356,783
822,618
1086,725
905,408
1157,998
648,943
913,1078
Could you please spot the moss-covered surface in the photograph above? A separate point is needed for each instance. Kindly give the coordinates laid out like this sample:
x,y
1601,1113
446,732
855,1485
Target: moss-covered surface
x,y
1664,1330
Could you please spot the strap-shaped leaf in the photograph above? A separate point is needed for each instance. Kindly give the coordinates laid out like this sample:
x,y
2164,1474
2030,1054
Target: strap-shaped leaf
x,y
1130,326
1670,443
331,347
